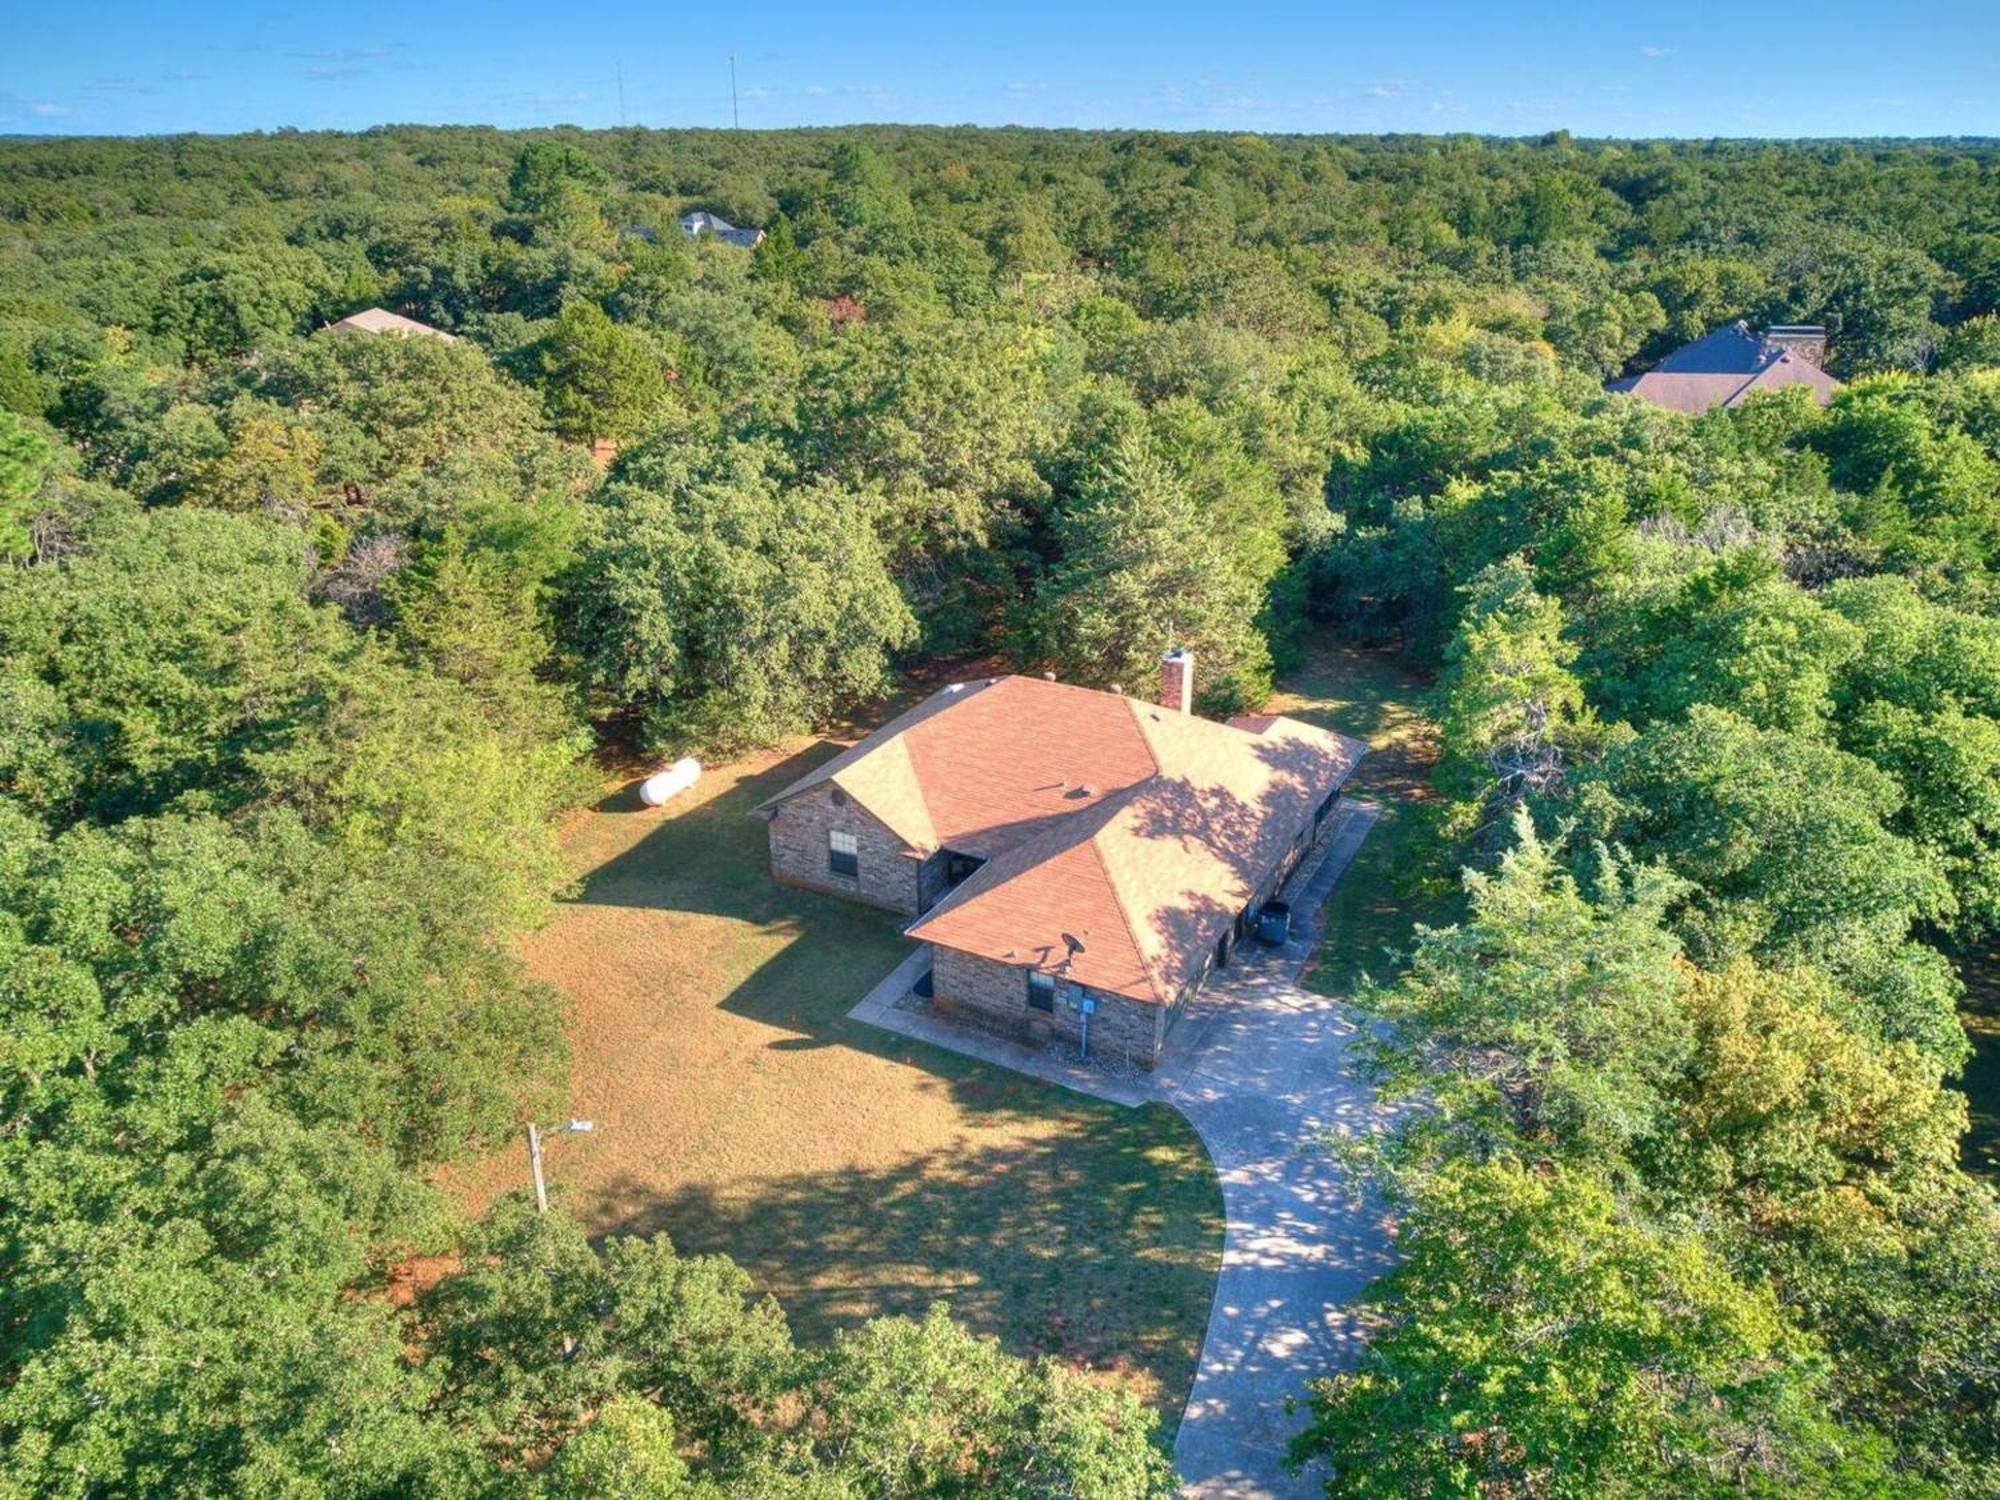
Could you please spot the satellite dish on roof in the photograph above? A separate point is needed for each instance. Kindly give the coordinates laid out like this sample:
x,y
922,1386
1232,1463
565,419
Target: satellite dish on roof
x,y
1074,944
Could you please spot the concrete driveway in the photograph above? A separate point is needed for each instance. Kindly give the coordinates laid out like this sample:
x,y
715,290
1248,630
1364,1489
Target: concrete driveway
x,y
1268,1074
1261,1068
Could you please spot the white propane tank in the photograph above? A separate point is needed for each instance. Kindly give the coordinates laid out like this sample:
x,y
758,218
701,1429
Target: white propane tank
x,y
662,786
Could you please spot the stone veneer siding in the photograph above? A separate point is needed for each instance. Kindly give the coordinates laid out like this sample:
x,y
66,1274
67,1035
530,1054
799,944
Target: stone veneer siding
x,y
888,872
997,994
930,880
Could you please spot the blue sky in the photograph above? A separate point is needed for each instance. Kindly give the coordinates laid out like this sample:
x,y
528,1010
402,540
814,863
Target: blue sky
x,y
1823,67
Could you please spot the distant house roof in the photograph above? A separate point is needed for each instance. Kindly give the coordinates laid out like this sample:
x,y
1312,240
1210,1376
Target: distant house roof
x,y
1139,829
381,320
1731,364
701,221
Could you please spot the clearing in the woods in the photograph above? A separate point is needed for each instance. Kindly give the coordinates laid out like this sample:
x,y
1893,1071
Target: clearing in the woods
x,y
852,1172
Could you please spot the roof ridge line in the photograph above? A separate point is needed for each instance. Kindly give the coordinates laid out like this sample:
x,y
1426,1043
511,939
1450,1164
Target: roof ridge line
x,y
1145,741
1124,916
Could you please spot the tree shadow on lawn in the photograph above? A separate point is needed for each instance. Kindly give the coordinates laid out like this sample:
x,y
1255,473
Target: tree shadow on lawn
x,y
1106,1260
713,859
1055,1222
710,857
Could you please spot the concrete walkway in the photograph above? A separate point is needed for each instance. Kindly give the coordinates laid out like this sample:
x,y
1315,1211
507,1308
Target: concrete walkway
x,y
1260,1067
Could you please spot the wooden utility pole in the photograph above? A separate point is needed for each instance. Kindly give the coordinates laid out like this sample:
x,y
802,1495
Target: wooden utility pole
x,y
535,1167
537,1134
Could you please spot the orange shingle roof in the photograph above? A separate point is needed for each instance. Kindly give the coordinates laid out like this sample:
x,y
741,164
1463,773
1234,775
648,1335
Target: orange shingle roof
x,y
1140,830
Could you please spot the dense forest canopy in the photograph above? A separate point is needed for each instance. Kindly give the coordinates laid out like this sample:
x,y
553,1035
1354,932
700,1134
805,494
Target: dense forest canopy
x,y
306,637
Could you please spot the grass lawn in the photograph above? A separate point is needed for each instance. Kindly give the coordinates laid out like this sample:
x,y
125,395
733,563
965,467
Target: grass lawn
x,y
1371,695
851,1172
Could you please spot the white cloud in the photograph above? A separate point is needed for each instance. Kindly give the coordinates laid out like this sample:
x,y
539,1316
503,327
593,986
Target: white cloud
x,y
1656,52
1211,98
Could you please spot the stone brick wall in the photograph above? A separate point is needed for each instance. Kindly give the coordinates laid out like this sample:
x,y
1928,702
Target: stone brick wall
x,y
1127,1031
888,869
930,880
996,994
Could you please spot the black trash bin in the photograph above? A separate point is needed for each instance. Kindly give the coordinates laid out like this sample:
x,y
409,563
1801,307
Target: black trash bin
x,y
1274,923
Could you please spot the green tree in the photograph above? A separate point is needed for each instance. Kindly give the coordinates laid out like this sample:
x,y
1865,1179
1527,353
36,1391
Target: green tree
x,y
231,303
600,378
629,1451
906,1407
1511,714
1139,571
1548,1013
559,187
1734,634
728,611
1537,1340
1786,845
24,457
270,464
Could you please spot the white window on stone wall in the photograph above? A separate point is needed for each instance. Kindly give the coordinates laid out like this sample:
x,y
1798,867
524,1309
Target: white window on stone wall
x,y
843,853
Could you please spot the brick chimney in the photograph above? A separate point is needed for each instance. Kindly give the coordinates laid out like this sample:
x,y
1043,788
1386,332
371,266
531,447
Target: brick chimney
x,y
1177,680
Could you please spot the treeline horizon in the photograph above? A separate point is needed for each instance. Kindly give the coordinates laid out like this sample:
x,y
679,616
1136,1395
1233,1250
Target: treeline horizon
x,y
570,127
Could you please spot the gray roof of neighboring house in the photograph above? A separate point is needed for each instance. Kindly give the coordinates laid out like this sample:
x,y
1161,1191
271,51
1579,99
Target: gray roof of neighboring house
x,y
1724,368
697,220
1730,350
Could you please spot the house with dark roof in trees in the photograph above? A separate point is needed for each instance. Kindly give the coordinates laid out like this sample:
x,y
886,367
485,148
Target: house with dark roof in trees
x,y
1734,363
1066,853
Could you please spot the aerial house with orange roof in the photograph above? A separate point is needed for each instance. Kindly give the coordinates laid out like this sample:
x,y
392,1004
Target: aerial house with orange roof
x,y
1067,853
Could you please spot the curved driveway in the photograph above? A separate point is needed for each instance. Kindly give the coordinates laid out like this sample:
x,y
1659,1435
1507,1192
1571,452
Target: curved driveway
x,y
1267,1072
1261,1068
